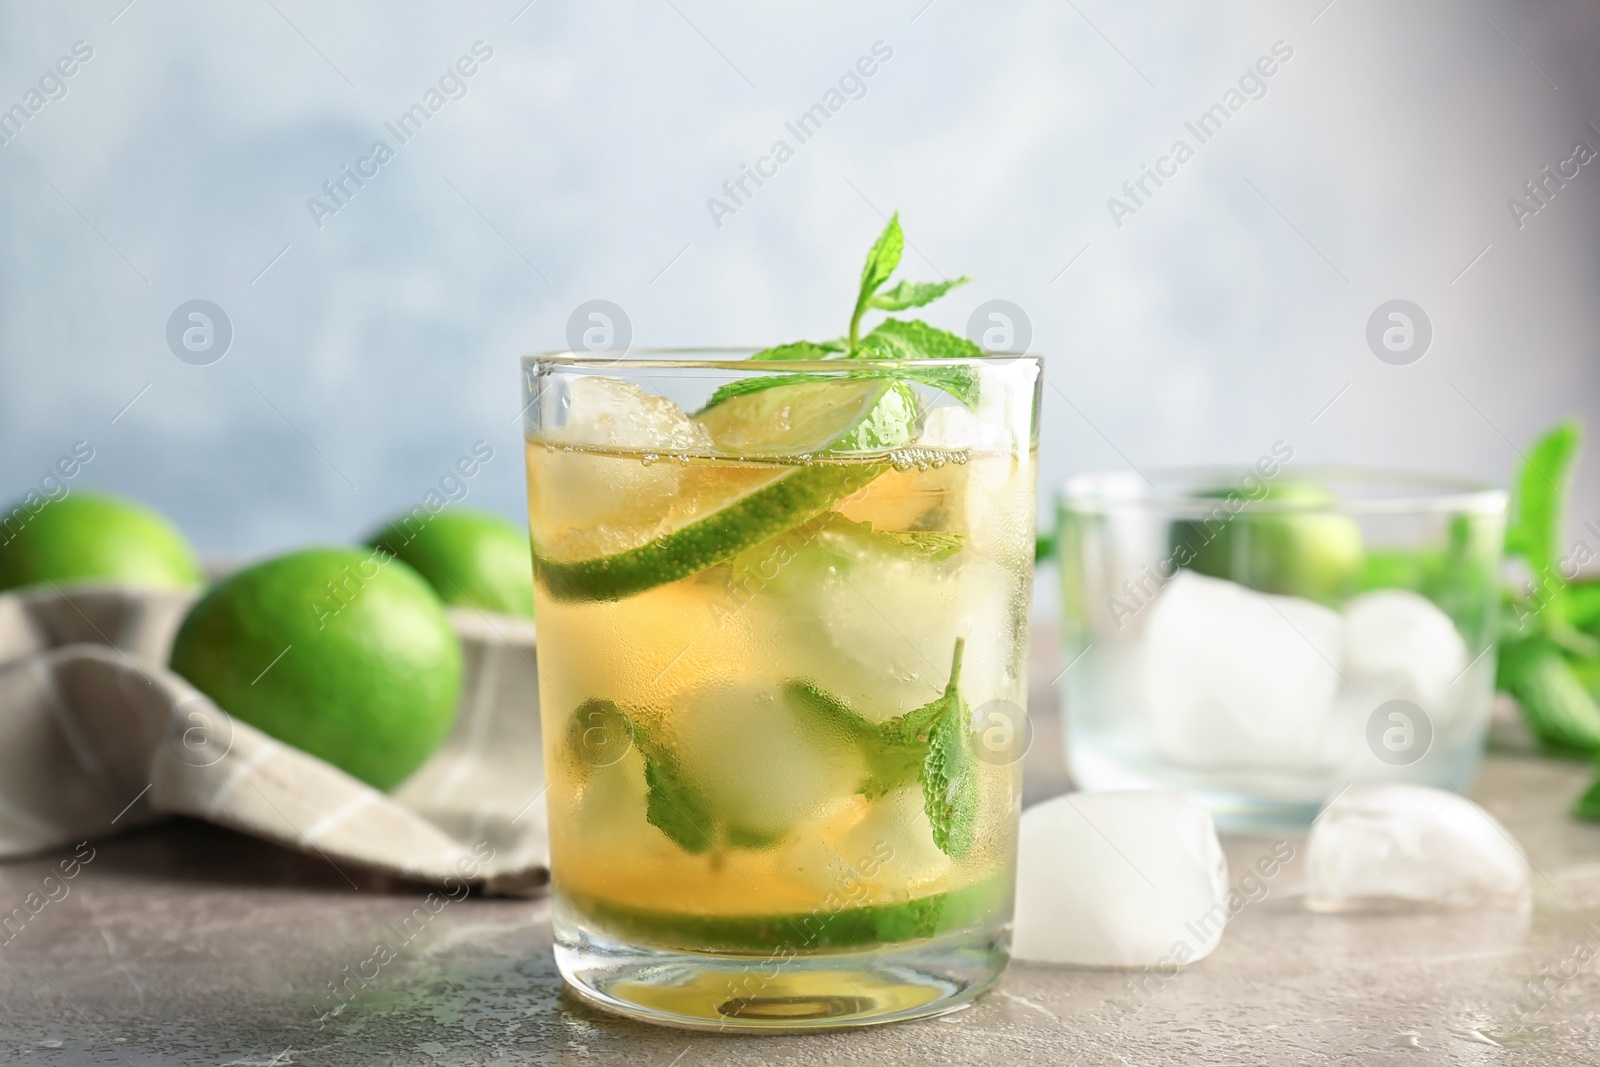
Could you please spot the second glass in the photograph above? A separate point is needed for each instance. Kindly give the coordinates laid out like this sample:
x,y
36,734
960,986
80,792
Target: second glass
x,y
1261,638
783,638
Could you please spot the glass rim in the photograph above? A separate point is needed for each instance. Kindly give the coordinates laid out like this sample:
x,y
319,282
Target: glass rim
x,y
1430,492
729,357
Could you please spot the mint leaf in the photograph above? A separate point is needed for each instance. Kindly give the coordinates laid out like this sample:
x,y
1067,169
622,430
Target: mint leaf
x,y
929,742
1538,511
1588,805
1583,606
895,339
891,762
882,259
914,339
801,350
892,340
1558,709
916,544
924,544
675,805
599,734
950,773
829,714
914,294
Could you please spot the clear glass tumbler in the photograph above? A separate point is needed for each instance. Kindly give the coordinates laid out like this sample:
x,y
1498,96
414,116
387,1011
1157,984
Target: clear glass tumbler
x,y
783,639
1260,637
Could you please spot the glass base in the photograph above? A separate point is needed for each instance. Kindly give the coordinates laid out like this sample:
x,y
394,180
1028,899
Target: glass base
x,y
705,991
1238,808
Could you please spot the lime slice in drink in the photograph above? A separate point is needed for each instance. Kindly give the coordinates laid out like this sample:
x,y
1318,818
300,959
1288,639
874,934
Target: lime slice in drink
x,y
814,426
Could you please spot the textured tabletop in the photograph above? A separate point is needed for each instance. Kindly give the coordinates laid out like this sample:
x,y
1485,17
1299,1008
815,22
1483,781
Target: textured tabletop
x,y
187,944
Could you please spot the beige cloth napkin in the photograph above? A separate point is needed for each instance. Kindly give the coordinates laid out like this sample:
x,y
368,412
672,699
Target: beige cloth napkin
x,y
98,736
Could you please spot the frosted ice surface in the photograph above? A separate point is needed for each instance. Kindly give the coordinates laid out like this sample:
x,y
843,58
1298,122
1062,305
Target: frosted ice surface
x,y
954,427
1235,676
1378,845
626,494
754,760
608,411
1119,879
1399,640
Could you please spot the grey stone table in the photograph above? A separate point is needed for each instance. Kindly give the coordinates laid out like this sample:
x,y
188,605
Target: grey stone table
x,y
188,944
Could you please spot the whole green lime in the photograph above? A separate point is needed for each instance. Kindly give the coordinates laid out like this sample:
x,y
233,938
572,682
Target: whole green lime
x,y
1307,550
471,558
343,653
93,537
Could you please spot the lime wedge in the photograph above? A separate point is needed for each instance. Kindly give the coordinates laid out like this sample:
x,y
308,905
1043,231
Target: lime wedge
x,y
806,421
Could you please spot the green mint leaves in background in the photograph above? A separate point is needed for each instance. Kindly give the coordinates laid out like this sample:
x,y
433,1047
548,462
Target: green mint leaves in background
x,y
1550,632
893,340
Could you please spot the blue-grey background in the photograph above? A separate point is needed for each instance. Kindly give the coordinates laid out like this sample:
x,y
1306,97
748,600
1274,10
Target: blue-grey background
x,y
368,354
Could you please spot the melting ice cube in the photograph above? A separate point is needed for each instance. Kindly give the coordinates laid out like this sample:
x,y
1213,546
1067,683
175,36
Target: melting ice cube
x,y
619,501
1119,879
609,411
1387,845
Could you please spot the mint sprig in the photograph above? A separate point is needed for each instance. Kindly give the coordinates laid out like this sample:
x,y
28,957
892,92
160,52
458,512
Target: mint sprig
x,y
675,805
891,340
1550,645
1538,515
927,744
882,259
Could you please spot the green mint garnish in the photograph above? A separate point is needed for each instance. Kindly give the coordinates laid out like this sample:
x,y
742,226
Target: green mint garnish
x,y
882,258
893,339
909,294
801,350
929,743
950,773
675,805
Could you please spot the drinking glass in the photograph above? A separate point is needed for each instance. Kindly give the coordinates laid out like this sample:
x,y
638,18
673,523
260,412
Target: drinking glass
x,y
1261,637
783,638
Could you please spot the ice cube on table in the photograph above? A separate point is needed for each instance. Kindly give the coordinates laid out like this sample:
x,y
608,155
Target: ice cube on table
x,y
1233,676
1377,846
1398,640
1119,879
